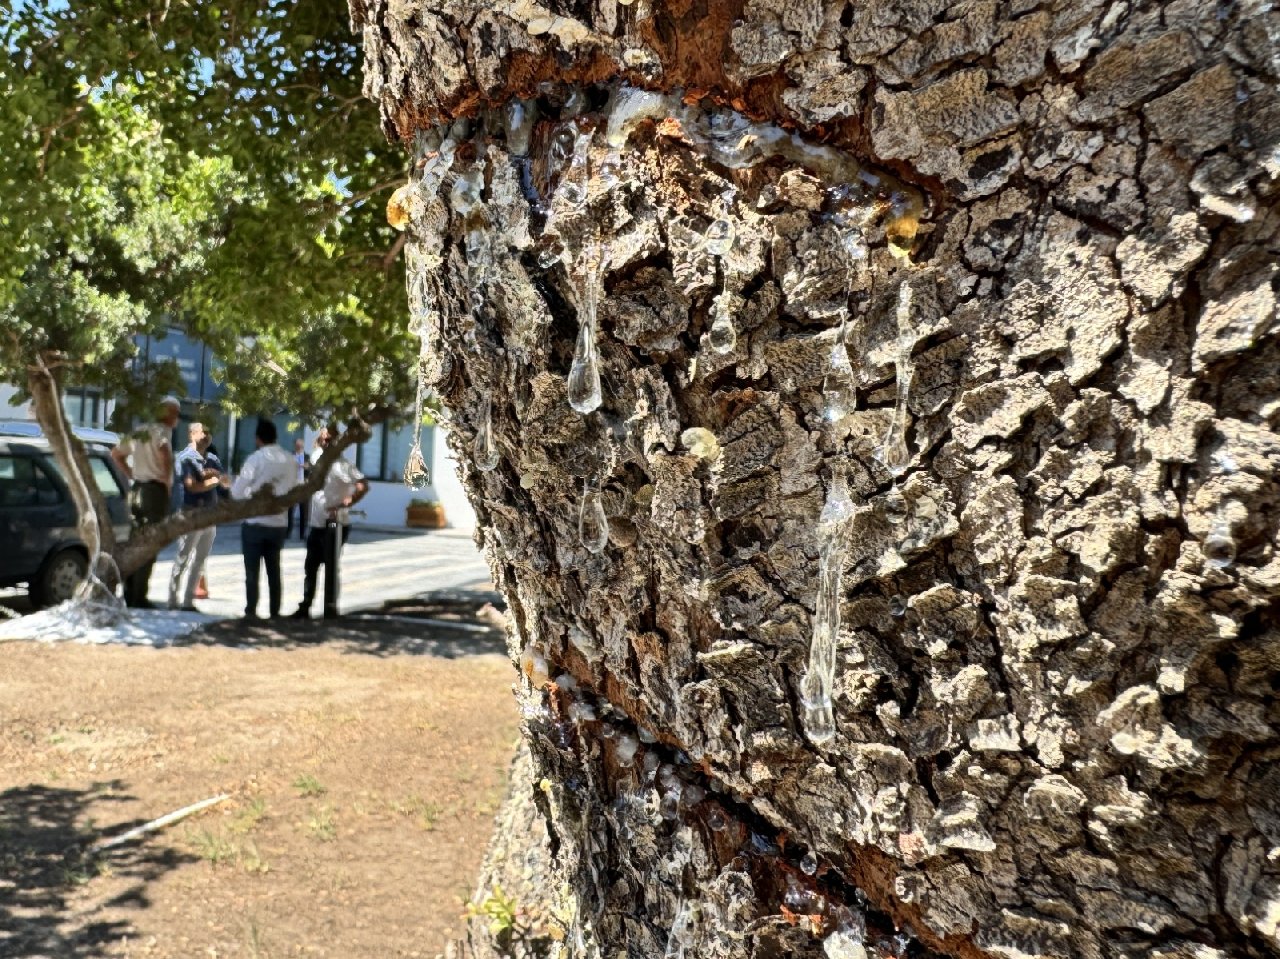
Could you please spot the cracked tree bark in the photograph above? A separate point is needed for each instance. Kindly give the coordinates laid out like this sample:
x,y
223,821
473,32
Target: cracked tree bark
x,y
1058,659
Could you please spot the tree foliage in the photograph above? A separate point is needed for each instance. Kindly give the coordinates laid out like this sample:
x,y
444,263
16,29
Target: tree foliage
x,y
210,163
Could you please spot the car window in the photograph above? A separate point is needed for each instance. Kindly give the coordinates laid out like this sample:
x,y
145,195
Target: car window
x,y
24,483
102,474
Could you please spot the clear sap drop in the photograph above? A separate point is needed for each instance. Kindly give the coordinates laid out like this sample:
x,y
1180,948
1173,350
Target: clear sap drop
x,y
465,196
584,374
519,118
722,336
610,171
839,393
815,686
719,237
895,506
416,475
1219,546
593,525
485,448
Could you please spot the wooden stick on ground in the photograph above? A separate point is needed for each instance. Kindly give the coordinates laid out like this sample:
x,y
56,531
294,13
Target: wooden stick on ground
x,y
156,824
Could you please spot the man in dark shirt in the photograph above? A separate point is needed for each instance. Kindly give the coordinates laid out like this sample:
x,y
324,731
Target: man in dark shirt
x,y
200,479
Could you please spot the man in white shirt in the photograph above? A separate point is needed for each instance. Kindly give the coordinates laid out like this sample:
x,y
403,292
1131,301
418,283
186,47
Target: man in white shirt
x,y
262,537
344,486
146,458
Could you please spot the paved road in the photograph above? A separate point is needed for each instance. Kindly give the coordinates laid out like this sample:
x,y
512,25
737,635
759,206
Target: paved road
x,y
376,567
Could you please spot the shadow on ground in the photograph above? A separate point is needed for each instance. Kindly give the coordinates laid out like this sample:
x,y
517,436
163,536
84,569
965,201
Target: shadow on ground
x,y
44,859
445,623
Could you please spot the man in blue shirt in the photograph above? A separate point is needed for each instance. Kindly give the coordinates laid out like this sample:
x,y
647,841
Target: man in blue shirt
x,y
200,478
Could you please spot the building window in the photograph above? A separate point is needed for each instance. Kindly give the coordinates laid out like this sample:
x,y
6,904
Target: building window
x,y
369,453
82,406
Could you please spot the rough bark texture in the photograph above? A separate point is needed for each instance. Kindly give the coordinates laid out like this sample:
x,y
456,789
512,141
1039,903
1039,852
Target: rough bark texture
x,y
1055,694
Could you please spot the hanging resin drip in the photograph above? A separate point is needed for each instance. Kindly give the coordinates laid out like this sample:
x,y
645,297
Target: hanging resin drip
x,y
815,687
519,119
893,452
683,936
571,192
584,374
593,524
610,170
902,222
485,448
839,394
466,194
718,241
723,335
416,474
1218,545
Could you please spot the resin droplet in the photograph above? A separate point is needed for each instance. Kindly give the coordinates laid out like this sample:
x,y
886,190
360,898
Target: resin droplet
x,y
584,374
902,223
1219,546
416,474
809,864
572,191
815,687
486,449
897,607
401,206
593,524
843,945
610,171
625,750
465,195
719,237
550,255
701,442
519,119
894,452
723,335
562,144
839,393
534,665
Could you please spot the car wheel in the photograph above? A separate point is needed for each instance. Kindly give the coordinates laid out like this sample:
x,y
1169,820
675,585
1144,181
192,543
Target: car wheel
x,y
59,578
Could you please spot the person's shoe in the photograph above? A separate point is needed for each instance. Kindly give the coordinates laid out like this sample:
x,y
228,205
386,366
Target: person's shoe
x,y
144,604
300,613
252,618
191,609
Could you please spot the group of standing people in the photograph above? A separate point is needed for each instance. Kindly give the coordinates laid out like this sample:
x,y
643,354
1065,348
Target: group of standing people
x,y
147,459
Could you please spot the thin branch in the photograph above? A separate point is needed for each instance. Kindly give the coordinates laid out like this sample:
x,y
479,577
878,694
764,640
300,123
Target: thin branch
x,y
169,819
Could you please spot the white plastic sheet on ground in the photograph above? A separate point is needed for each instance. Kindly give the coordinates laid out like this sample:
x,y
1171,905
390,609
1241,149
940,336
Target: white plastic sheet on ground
x,y
67,623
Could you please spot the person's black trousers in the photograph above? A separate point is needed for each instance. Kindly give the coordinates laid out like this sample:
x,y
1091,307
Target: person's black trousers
x,y
315,559
261,545
149,503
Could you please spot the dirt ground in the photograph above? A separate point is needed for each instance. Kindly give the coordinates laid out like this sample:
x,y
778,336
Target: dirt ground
x,y
364,764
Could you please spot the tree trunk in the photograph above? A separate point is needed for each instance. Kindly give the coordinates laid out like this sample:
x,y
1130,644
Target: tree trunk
x,y
1055,580
93,520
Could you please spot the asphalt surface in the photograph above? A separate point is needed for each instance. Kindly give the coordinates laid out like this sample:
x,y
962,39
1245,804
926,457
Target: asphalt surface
x,y
377,567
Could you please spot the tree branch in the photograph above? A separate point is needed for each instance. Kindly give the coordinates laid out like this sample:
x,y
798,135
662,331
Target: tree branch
x,y
149,540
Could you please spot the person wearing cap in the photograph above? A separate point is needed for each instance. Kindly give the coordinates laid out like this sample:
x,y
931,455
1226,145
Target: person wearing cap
x,y
146,458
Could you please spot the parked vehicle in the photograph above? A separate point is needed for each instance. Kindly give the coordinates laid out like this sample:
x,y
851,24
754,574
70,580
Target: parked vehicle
x,y
39,544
